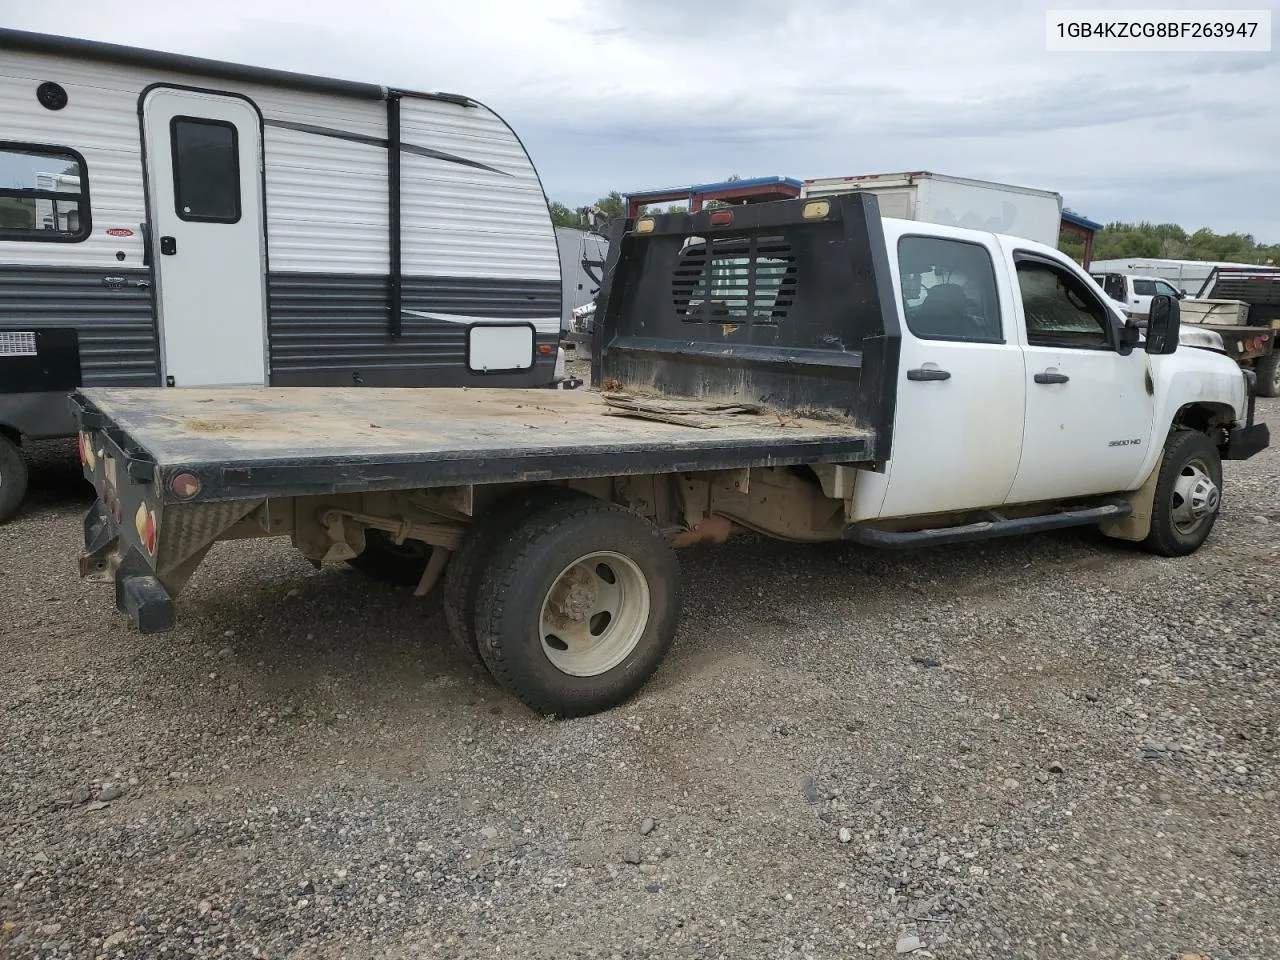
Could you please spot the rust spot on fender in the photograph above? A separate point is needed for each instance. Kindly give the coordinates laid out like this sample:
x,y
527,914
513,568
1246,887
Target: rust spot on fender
x,y
1150,384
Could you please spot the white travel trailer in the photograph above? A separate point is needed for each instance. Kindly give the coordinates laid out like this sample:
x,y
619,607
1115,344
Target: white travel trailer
x,y
170,220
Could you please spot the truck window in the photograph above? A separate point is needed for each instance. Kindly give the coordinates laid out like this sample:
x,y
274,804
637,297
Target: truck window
x,y
949,290
1165,289
44,193
1144,288
1060,311
1113,286
206,170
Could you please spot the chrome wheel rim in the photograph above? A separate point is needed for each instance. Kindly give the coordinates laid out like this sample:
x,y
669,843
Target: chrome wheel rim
x,y
1196,497
594,614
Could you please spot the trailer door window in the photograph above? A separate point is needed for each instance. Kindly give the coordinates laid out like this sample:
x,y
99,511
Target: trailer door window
x,y
44,193
206,170
949,290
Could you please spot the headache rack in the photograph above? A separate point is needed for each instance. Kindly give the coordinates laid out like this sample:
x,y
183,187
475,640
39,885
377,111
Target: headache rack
x,y
788,304
1259,287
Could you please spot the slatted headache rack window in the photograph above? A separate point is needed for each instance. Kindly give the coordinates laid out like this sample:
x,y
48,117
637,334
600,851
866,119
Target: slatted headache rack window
x,y
735,280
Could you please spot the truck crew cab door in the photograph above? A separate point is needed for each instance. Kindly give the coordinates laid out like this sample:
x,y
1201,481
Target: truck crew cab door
x,y
958,421
1090,409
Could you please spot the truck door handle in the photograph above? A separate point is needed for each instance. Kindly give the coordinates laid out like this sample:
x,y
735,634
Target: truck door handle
x,y
1051,378
168,246
928,373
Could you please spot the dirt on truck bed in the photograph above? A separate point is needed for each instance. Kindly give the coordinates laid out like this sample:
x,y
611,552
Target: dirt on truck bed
x,y
319,422
1047,747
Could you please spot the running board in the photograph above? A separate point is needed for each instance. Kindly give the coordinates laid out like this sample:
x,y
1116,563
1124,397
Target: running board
x,y
989,529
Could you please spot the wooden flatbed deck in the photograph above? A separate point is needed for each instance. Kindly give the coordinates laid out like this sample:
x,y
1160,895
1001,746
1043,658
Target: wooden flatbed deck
x,y
275,442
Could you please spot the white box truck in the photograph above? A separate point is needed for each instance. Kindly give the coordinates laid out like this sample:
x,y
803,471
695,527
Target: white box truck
x,y
955,202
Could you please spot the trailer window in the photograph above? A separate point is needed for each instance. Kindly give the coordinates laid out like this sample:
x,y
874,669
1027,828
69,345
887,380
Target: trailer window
x,y
206,170
44,193
949,290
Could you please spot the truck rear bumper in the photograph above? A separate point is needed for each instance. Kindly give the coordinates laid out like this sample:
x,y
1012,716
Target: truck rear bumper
x,y
1244,442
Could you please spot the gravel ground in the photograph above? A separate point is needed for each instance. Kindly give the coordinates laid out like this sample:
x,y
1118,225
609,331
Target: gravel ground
x,y
1046,747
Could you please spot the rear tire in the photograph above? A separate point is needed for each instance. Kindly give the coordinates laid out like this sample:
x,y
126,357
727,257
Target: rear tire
x,y
1268,372
1188,495
13,478
578,607
382,559
467,565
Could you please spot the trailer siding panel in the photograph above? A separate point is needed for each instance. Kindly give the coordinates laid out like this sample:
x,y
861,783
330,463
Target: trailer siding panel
x,y
114,323
332,329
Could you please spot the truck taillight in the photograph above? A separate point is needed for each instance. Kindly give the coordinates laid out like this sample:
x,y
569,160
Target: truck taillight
x,y
184,485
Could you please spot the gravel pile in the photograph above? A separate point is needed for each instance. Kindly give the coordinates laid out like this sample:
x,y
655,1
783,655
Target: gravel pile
x,y
1047,747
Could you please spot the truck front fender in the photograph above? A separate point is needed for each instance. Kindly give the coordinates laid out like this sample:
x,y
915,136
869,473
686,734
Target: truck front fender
x,y
1195,389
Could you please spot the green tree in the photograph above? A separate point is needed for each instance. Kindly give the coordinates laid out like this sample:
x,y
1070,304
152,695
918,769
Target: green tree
x,y
562,216
612,206
1118,240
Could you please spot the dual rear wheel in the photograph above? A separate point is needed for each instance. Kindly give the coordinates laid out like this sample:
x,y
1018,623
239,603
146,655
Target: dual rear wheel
x,y
569,601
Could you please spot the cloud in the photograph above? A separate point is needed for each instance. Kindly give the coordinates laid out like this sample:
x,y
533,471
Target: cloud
x,y
619,94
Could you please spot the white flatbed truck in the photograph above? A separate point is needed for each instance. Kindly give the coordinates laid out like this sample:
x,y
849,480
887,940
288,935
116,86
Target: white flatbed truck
x,y
804,369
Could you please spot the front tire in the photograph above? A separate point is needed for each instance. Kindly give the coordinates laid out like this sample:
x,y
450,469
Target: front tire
x,y
578,608
1188,495
13,478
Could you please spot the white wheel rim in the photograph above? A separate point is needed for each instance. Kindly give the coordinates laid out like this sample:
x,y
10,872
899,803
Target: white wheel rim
x,y
594,614
1196,497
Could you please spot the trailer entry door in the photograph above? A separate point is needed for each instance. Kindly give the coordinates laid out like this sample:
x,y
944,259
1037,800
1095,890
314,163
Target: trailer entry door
x,y
205,208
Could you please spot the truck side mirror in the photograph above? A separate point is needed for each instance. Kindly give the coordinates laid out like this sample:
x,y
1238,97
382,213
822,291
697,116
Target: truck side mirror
x,y
1130,334
1163,324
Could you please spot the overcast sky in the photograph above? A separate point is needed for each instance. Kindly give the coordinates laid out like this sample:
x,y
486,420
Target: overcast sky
x,y
637,94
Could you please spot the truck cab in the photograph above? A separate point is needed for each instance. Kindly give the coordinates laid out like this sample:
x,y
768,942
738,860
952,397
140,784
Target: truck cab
x,y
1134,292
1018,385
